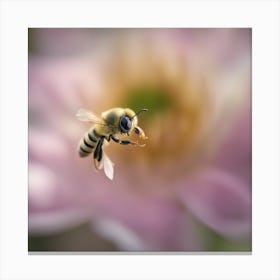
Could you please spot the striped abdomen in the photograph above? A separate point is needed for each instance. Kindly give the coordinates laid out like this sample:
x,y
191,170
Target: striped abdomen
x,y
88,143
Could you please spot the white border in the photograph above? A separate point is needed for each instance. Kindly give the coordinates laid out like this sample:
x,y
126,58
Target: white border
x,y
17,16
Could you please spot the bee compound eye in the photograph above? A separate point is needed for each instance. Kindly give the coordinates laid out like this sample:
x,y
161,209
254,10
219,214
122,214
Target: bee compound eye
x,y
125,123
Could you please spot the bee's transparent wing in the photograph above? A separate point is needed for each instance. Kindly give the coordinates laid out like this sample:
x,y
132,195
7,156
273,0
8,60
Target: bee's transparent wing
x,y
85,115
108,166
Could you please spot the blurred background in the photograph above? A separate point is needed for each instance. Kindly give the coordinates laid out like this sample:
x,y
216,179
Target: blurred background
x,y
189,188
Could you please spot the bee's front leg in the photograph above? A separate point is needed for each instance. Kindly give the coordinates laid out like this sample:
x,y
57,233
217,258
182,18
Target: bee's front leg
x,y
125,141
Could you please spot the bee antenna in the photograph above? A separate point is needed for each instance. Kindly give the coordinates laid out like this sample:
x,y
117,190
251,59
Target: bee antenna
x,y
142,110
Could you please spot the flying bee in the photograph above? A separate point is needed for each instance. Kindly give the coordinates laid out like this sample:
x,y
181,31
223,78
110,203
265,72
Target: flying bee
x,y
114,122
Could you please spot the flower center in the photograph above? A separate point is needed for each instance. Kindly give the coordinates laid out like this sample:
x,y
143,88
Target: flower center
x,y
171,122
155,100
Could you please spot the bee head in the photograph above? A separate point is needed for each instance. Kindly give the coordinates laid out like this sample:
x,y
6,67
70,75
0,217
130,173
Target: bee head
x,y
129,120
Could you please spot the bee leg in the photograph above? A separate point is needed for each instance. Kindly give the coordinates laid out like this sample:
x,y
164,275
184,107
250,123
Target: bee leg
x,y
98,150
115,139
100,154
125,141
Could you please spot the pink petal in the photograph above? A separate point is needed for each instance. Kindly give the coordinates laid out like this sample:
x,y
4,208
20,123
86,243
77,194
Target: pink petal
x,y
157,222
235,151
124,237
40,185
219,200
55,221
48,146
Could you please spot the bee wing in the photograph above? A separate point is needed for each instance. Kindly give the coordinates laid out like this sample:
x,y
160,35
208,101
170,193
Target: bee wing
x,y
85,115
108,166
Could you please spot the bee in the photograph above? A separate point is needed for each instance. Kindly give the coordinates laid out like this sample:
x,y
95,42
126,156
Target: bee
x,y
111,124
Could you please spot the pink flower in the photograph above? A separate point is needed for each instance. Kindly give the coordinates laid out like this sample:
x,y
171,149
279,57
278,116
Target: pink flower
x,y
195,171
